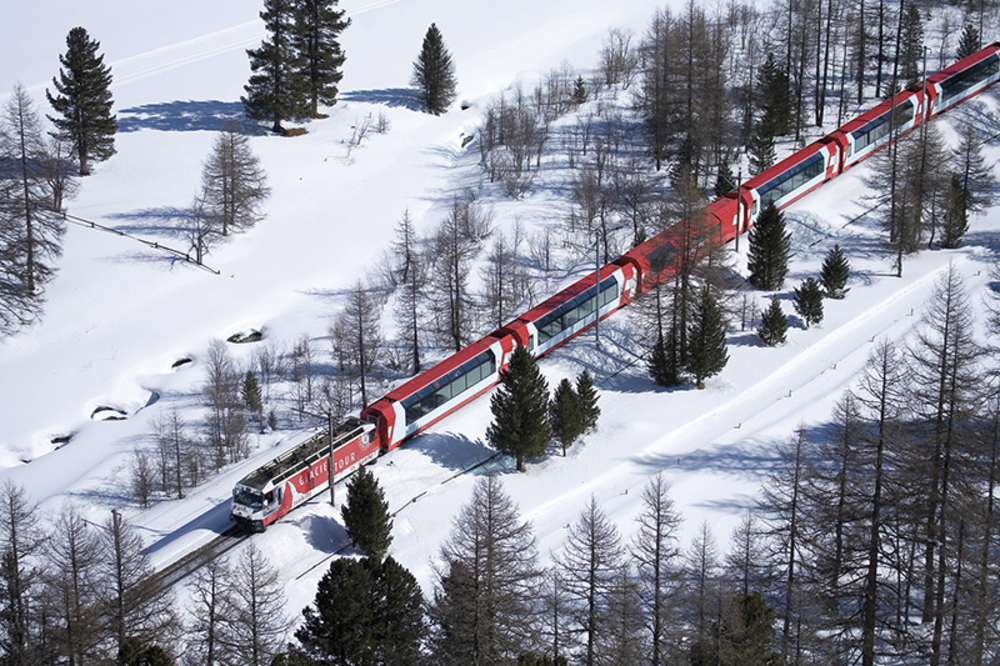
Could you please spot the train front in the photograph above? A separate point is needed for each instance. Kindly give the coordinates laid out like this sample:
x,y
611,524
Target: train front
x,y
248,508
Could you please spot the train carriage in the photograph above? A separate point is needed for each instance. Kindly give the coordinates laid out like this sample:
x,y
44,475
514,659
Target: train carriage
x,y
437,392
963,79
793,177
862,136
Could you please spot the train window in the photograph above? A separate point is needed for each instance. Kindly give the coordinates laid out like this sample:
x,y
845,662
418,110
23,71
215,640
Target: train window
x,y
575,310
959,83
792,179
531,343
450,386
874,130
661,258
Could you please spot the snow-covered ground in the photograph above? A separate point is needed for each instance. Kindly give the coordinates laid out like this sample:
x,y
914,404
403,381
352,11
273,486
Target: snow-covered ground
x,y
120,314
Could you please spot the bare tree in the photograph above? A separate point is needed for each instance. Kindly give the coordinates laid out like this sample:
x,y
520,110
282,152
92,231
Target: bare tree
x,y
227,425
259,620
591,565
486,582
357,337
31,229
211,614
234,185
21,542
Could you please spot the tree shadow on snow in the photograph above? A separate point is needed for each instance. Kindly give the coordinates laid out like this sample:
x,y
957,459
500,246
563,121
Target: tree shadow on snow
x,y
185,116
408,98
164,221
452,450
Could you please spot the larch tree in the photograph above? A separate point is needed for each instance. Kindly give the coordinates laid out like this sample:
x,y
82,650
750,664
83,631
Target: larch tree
x,y
21,541
486,582
457,243
259,621
233,184
520,407
316,37
434,73
591,563
975,174
31,230
366,515
277,89
357,336
211,612
770,247
655,551
83,100
135,602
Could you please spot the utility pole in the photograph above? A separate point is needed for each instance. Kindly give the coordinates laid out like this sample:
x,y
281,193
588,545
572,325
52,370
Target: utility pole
x,y
597,283
739,208
329,435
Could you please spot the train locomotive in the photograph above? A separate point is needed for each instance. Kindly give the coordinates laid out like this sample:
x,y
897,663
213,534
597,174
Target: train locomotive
x,y
277,487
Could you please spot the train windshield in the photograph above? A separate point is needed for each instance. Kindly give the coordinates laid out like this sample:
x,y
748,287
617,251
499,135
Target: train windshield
x,y
247,497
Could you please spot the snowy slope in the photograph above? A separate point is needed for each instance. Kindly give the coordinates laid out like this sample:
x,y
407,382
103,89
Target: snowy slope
x,y
120,314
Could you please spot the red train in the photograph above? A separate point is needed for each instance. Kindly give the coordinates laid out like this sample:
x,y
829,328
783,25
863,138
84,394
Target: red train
x,y
276,488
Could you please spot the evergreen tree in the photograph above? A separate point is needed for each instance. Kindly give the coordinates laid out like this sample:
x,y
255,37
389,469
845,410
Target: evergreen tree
x,y
773,324
565,416
956,217
250,392
770,246
84,100
587,395
975,175
278,89
835,273
724,181
969,42
366,515
912,45
317,31
707,354
434,73
520,406
579,91
774,97
760,150
809,302
365,612
664,364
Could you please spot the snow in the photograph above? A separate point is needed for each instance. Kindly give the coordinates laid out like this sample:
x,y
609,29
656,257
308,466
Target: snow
x,y
120,315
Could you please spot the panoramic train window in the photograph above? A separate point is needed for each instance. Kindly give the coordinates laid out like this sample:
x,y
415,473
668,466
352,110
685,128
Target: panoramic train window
x,y
575,310
874,130
792,179
959,83
661,258
451,385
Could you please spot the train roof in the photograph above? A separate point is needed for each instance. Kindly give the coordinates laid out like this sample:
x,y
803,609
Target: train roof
x,y
964,63
569,293
787,163
442,368
290,461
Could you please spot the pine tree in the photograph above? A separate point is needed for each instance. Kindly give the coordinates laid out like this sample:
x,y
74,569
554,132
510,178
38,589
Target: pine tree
x,y
770,246
434,73
520,406
774,97
760,150
366,515
724,182
664,364
912,45
579,91
707,354
773,324
969,42
278,89
809,301
317,31
250,392
835,273
565,415
587,395
84,100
